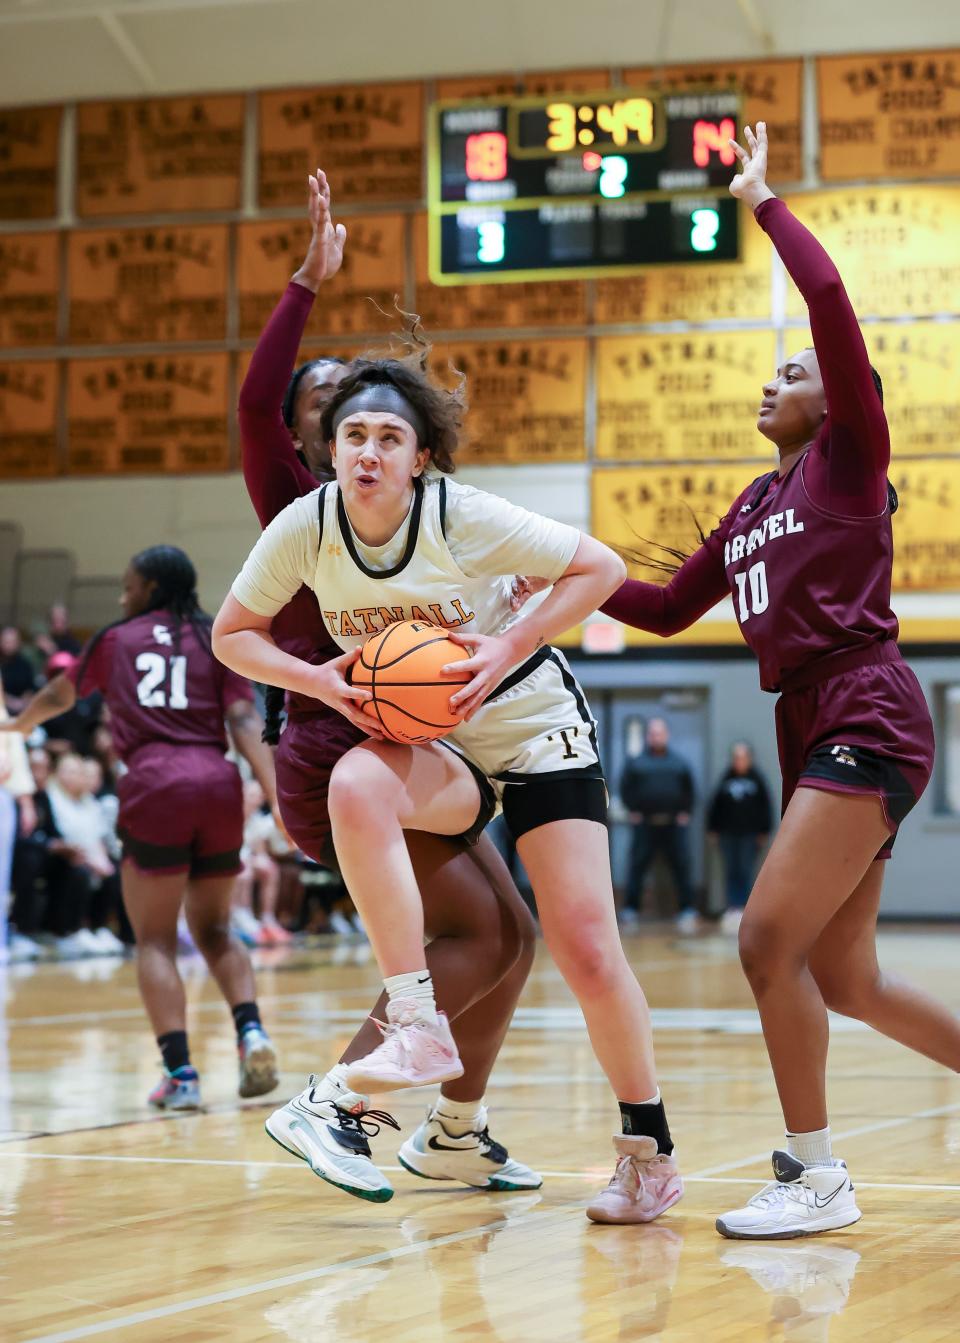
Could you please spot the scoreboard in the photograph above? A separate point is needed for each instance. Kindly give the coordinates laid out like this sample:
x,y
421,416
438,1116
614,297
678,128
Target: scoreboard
x,y
559,187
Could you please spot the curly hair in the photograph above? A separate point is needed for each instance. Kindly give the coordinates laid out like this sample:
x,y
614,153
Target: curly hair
x,y
407,370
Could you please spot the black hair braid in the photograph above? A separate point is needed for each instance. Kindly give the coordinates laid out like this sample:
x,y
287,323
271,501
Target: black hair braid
x,y
273,701
171,569
661,558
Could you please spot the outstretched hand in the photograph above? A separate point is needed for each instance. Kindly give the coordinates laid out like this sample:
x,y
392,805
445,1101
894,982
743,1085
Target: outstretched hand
x,y
750,184
325,253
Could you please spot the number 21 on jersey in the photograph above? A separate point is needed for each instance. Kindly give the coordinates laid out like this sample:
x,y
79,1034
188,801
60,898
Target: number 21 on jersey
x,y
152,689
753,596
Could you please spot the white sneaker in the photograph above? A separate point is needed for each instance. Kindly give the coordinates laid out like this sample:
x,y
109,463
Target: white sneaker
x,y
340,924
88,940
802,1201
23,948
108,942
70,948
473,1158
357,925
687,922
730,921
333,1142
807,1281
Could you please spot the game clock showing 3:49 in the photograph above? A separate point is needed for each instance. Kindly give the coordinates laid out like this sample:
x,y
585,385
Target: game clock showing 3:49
x,y
557,187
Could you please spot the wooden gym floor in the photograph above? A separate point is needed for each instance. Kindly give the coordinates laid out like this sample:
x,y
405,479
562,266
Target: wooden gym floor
x,y
121,1224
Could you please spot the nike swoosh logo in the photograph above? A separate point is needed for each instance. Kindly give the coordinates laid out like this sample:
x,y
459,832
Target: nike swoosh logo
x,y
442,1147
822,1202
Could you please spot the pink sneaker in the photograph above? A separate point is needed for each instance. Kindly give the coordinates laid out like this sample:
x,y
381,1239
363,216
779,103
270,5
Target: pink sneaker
x,y
415,1052
643,1185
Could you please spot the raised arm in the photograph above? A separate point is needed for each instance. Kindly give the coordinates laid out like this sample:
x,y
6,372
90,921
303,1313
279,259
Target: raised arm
x,y
272,471
853,447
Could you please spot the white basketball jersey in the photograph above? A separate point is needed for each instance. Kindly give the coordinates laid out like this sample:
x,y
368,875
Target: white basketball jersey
x,y
425,583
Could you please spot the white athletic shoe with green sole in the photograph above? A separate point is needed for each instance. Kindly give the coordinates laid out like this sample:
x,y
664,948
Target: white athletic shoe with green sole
x,y
333,1142
471,1158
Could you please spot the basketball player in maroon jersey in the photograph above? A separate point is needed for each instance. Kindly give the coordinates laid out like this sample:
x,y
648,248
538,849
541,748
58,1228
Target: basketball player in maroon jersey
x,y
181,805
482,936
806,552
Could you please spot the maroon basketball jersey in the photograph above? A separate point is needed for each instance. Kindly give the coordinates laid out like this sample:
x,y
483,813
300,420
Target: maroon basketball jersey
x,y
805,583
158,687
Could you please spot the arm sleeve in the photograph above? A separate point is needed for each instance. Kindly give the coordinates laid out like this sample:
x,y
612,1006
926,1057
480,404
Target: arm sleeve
x,y
848,468
272,471
489,536
698,584
283,559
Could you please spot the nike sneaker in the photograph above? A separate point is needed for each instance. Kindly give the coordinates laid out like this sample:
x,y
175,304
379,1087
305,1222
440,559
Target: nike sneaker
x,y
472,1158
333,1141
801,1201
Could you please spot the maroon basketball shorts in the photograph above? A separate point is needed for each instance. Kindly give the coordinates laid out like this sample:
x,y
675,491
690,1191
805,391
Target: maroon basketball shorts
x,y
309,748
866,730
181,810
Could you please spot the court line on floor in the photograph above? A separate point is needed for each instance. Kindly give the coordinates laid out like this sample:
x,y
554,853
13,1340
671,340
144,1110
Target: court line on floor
x,y
836,1138
293,1279
591,1175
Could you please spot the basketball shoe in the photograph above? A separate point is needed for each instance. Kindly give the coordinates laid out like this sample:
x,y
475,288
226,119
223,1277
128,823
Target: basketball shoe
x,y
179,1090
801,1201
473,1158
415,1052
258,1063
333,1140
644,1184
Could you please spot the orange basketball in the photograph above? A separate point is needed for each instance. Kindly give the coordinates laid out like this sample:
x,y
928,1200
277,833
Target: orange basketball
x,y
401,666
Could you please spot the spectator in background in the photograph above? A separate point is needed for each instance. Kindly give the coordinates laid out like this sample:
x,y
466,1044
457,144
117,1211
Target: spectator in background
x,y
260,871
16,671
104,750
72,730
41,766
739,821
657,791
82,824
58,638
17,816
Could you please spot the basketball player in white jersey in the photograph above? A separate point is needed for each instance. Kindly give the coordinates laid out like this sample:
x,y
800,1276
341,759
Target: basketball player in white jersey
x,y
391,539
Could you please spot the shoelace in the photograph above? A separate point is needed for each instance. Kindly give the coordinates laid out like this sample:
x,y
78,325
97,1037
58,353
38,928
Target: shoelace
x,y
356,1123
777,1193
496,1151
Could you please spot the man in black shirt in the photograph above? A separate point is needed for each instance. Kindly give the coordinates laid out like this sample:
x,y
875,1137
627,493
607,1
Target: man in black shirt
x,y
739,821
657,791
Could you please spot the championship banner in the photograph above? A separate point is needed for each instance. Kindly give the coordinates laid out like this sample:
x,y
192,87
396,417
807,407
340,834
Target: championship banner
x,y
926,554
372,275
919,363
30,140
472,307
29,288
153,284
367,138
772,91
526,399
693,396
475,86
648,511
895,247
730,290
28,420
159,155
152,414
889,115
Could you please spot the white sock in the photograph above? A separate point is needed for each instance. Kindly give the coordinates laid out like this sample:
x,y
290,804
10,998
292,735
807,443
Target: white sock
x,y
459,1117
416,987
333,1087
813,1149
